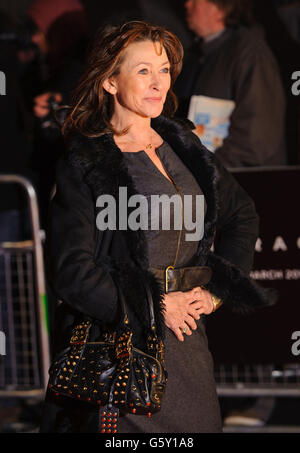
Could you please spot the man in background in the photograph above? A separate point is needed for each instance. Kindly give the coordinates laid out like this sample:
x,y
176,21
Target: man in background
x,y
230,61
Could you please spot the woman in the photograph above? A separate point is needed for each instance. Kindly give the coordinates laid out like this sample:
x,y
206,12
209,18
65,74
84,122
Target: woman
x,y
117,138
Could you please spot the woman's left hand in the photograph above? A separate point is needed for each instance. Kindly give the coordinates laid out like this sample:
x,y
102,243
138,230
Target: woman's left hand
x,y
203,301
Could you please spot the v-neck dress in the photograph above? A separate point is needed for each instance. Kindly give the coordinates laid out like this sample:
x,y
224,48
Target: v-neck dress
x,y
190,403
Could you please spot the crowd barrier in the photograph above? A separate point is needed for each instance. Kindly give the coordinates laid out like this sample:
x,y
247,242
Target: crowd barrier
x,y
25,357
259,354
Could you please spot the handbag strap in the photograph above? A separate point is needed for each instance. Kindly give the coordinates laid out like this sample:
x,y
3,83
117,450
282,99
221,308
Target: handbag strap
x,y
150,304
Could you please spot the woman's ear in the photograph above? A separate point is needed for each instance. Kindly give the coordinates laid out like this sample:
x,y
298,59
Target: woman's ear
x,y
110,86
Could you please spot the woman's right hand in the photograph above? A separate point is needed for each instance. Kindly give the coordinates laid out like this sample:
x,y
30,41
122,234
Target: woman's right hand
x,y
181,312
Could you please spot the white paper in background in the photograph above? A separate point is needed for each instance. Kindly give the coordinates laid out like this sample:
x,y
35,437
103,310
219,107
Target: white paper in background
x,y
211,117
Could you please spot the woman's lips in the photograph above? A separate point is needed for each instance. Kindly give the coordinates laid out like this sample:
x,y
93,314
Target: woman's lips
x,y
153,99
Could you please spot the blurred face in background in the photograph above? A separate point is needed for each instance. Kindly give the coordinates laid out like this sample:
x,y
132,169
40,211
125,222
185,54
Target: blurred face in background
x,y
204,18
40,40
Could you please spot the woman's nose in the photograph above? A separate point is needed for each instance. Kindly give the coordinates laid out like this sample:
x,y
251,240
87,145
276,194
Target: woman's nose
x,y
155,81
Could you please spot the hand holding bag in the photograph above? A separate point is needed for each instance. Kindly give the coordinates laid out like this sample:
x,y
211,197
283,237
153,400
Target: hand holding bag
x,y
112,373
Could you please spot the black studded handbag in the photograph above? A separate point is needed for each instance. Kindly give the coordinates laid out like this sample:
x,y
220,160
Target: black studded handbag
x,y
112,373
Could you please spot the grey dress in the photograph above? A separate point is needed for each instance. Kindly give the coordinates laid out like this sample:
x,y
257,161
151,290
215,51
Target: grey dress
x,y
190,403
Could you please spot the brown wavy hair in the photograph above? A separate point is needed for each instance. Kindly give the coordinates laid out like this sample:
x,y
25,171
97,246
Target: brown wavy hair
x,y
92,107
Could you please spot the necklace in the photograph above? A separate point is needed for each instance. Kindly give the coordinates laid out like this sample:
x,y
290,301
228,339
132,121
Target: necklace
x,y
147,146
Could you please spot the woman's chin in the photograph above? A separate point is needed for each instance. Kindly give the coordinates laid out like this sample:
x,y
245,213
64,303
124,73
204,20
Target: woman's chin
x,y
153,113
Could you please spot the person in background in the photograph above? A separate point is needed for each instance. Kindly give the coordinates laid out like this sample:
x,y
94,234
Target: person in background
x,y
280,22
231,61
289,13
61,36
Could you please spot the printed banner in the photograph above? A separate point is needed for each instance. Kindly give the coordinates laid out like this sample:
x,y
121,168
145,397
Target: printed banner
x,y
269,335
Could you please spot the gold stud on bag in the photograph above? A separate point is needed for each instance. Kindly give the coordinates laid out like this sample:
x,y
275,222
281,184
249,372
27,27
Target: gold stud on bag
x,y
112,373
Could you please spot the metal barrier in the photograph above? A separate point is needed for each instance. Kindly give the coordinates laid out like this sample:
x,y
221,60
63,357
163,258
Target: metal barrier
x,y
258,380
23,308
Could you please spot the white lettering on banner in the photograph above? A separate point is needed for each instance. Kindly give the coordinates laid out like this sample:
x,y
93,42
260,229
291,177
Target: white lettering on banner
x,y
292,274
2,343
258,245
2,84
267,274
279,244
275,274
296,346
296,85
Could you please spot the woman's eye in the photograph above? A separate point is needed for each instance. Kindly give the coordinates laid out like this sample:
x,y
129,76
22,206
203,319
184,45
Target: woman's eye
x,y
165,70
143,71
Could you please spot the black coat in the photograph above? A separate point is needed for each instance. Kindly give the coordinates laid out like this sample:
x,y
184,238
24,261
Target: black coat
x,y
85,265
239,66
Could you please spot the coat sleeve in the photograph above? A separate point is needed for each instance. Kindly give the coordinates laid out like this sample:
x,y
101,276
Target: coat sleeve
x,y
237,223
72,272
231,262
257,124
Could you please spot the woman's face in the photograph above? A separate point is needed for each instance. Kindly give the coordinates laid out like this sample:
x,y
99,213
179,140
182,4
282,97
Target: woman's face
x,y
143,82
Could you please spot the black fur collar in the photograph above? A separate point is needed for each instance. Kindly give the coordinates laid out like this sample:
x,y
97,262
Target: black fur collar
x,y
106,172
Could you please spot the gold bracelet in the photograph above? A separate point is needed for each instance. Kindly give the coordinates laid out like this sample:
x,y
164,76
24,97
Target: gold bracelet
x,y
216,302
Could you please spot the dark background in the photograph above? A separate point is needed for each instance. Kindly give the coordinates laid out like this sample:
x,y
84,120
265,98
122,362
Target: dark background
x,y
265,336
171,14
